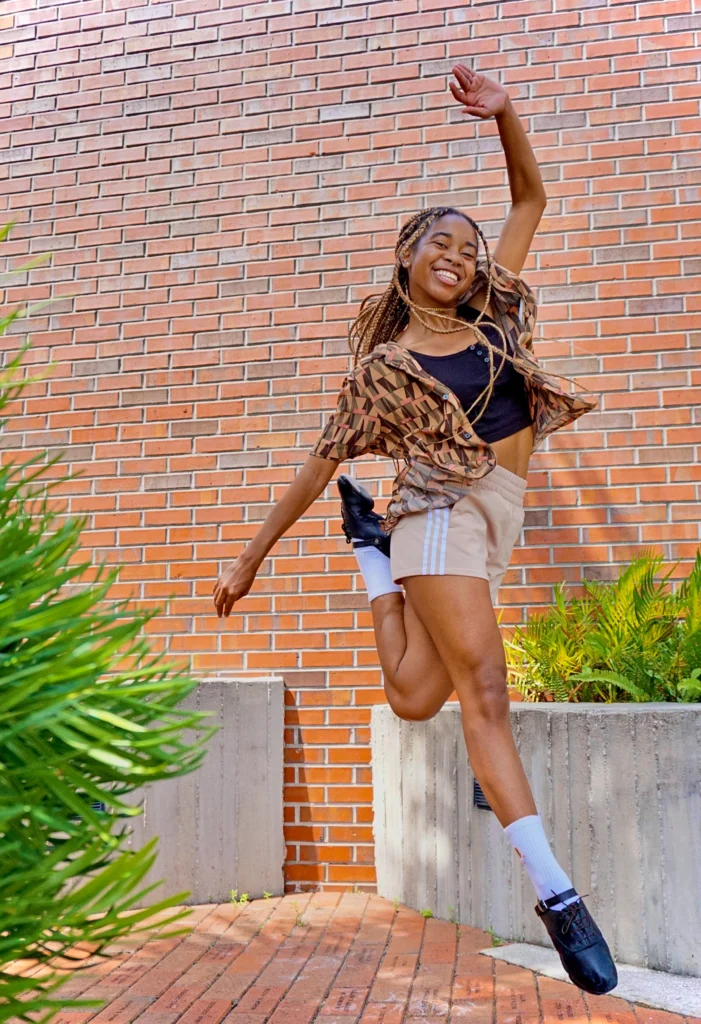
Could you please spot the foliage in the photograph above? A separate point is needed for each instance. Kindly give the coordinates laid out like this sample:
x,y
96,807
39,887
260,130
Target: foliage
x,y
496,940
88,715
299,919
631,640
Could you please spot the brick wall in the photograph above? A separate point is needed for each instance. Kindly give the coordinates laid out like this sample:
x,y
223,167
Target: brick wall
x,y
220,184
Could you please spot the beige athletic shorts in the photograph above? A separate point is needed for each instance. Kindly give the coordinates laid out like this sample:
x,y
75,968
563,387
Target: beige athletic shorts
x,y
473,537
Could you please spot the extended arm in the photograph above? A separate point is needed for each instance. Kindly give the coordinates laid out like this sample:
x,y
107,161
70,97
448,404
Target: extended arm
x,y
235,582
484,98
302,492
350,431
528,196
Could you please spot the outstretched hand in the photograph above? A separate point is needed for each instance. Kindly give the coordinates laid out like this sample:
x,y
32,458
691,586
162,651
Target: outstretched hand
x,y
479,95
233,584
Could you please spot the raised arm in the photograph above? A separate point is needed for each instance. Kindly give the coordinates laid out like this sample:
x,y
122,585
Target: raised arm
x,y
485,98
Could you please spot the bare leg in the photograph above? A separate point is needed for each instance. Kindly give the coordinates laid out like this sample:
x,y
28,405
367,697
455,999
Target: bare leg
x,y
457,614
417,682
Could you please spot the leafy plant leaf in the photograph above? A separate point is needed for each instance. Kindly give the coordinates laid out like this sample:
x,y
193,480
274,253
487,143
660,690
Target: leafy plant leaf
x,y
88,714
632,639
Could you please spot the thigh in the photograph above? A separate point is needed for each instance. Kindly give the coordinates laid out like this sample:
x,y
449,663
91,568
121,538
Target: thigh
x,y
458,615
421,677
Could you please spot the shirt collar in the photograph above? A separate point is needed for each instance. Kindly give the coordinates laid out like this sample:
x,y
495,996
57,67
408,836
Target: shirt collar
x,y
395,354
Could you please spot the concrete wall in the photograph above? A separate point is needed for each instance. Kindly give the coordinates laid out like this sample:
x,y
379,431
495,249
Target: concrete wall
x,y
619,790
221,827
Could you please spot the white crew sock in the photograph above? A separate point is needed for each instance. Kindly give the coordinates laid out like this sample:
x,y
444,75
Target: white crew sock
x,y
528,838
375,567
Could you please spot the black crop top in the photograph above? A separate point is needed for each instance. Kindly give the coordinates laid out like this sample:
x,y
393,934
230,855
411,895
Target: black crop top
x,y
466,373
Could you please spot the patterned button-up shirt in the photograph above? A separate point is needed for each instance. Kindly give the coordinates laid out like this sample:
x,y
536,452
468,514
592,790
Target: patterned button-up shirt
x,y
389,405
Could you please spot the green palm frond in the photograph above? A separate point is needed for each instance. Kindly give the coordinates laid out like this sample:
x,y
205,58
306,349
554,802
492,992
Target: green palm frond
x,y
88,714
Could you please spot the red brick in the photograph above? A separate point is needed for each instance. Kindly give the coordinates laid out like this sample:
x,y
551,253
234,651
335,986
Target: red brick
x,y
229,338
559,1001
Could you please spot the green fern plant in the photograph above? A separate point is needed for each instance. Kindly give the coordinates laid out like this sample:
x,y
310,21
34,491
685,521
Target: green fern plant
x,y
634,639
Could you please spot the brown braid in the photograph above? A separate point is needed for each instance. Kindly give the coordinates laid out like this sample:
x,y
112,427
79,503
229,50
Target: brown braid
x,y
382,317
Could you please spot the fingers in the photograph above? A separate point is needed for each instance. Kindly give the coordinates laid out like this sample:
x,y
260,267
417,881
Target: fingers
x,y
459,95
223,600
466,80
224,606
463,74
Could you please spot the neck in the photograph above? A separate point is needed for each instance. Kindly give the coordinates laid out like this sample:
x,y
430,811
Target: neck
x,y
432,328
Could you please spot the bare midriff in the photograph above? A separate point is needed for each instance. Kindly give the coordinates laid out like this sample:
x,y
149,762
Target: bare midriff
x,y
513,452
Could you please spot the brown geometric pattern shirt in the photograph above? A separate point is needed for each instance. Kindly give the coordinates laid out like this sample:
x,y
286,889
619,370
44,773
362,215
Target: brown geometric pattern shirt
x,y
389,405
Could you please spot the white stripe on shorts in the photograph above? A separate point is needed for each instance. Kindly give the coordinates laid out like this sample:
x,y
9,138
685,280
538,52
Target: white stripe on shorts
x,y
445,515
435,542
427,536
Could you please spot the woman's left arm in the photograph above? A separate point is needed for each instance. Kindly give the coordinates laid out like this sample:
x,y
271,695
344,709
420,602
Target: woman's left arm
x,y
483,98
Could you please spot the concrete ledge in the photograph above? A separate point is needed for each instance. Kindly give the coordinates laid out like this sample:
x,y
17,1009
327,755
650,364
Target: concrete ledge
x,y
221,827
672,992
618,787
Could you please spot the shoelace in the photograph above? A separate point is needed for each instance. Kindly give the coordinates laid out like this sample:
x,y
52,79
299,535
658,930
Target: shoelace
x,y
569,918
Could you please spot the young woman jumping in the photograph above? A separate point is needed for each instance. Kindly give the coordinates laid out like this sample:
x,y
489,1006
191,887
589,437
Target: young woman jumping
x,y
445,381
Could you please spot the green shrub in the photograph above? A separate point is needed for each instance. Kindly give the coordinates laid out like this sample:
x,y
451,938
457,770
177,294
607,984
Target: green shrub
x,y
631,640
88,714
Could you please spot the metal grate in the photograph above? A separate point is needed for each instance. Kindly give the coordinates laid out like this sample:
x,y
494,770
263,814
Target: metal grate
x,y
479,797
96,805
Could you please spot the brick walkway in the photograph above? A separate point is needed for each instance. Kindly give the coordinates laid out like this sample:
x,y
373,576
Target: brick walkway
x,y
334,958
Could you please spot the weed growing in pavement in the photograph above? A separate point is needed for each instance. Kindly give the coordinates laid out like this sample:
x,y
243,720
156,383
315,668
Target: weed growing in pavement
x,y
426,912
241,900
395,903
299,920
496,941
451,914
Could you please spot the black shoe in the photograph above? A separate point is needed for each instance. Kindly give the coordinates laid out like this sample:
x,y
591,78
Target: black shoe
x,y
582,948
360,524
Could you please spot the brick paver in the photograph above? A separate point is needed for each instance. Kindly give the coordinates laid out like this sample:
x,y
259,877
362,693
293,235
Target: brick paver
x,y
329,958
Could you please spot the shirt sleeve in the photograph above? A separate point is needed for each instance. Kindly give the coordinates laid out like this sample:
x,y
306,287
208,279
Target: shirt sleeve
x,y
354,428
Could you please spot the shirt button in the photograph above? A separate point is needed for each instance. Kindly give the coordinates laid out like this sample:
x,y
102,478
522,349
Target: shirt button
x,y
467,434
446,395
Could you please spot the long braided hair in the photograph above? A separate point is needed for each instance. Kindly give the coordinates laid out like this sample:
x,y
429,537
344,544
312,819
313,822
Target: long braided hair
x,y
382,317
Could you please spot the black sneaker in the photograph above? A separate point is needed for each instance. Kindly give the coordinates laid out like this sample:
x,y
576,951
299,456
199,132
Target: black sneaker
x,y
582,948
360,524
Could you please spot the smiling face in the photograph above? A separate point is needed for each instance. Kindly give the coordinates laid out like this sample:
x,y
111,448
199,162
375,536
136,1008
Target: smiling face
x,y
443,263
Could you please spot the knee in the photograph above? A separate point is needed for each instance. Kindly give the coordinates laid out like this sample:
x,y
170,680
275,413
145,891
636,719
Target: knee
x,y
485,699
411,709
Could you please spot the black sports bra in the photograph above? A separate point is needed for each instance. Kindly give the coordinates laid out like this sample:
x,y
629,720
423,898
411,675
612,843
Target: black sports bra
x,y
466,373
